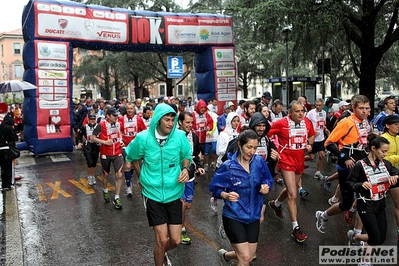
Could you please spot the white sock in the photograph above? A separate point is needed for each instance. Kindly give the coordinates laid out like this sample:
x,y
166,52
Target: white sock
x,y
183,228
299,189
277,203
352,209
324,215
317,172
116,196
294,224
357,231
105,190
334,199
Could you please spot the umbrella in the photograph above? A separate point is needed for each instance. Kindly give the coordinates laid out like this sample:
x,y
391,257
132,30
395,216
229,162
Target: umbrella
x,y
15,85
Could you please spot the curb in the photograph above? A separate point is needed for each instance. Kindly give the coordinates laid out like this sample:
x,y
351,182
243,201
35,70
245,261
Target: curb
x,y
14,253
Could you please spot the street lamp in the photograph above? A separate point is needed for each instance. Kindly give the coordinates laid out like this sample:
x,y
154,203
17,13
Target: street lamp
x,y
286,31
326,47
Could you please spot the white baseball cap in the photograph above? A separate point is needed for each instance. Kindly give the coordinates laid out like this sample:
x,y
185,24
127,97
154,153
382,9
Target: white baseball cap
x,y
342,103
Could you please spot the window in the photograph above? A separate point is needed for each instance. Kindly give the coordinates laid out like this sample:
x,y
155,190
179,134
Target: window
x,y
17,48
180,90
253,92
18,71
162,89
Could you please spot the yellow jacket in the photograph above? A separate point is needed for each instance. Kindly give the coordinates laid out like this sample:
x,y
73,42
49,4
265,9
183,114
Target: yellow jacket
x,y
393,152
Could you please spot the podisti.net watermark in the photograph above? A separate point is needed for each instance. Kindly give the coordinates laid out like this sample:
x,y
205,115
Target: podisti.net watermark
x,y
357,254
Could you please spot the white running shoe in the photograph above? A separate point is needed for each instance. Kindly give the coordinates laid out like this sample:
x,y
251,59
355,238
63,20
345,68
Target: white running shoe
x,y
222,233
89,180
93,179
318,175
129,191
320,222
221,253
214,204
167,260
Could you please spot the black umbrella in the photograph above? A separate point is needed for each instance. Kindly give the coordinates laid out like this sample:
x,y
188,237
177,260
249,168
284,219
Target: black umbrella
x,y
15,85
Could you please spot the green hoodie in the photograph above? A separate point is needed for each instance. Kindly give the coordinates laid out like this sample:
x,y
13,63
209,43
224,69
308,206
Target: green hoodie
x,y
161,165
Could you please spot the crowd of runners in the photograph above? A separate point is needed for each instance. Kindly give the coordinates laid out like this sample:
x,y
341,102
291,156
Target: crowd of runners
x,y
248,147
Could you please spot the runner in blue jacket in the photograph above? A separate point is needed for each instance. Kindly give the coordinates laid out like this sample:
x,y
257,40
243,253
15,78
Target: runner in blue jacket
x,y
242,181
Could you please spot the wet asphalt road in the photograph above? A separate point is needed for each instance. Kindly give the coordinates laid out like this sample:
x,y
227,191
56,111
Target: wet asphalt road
x,y
63,221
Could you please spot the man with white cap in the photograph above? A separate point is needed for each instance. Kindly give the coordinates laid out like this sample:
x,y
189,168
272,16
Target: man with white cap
x,y
342,107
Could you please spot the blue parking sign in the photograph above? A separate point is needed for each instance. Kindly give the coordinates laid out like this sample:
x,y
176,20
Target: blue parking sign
x,y
175,67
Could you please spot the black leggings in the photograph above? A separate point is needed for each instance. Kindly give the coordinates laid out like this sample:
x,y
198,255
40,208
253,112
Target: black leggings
x,y
346,191
6,172
374,220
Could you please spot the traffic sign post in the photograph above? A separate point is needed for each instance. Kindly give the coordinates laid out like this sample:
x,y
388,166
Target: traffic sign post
x,y
175,67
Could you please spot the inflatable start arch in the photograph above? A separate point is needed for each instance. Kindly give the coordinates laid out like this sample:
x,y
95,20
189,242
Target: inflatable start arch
x,y
51,29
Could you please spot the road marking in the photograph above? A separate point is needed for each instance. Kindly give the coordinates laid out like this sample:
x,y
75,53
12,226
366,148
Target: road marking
x,y
40,192
109,186
202,236
86,188
57,190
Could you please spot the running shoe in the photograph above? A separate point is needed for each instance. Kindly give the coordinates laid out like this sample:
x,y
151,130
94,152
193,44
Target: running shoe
x,y
303,193
106,196
221,253
299,235
117,203
277,210
214,204
222,233
331,201
93,179
278,179
320,222
166,261
129,192
185,240
318,175
326,184
350,234
348,215
89,180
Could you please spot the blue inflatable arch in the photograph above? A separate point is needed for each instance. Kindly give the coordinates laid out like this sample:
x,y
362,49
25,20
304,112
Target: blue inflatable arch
x,y
51,29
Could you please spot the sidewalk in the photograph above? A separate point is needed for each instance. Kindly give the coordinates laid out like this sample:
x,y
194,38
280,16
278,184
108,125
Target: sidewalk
x,y
13,241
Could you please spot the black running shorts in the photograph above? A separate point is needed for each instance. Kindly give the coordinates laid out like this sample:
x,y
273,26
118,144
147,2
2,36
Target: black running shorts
x,y
163,213
238,232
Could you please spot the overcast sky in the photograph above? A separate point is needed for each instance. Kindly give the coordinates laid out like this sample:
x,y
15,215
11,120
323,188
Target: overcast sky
x,y
11,13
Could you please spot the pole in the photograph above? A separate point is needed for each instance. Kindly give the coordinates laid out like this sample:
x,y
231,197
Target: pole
x,y
286,62
323,88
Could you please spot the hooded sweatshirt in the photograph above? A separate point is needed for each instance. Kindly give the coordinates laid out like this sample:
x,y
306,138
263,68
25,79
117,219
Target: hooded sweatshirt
x,y
224,138
161,163
202,122
7,133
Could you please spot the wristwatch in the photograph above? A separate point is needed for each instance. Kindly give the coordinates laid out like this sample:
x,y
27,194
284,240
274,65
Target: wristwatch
x,y
185,167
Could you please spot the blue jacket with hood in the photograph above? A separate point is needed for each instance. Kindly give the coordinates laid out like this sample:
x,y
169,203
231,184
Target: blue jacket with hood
x,y
231,176
161,165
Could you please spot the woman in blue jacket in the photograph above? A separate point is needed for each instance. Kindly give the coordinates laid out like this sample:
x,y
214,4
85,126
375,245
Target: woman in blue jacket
x,y
241,182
